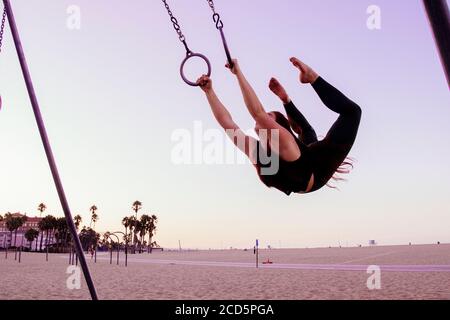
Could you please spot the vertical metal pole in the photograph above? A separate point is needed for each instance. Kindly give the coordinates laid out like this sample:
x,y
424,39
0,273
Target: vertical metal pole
x,y
20,250
227,50
47,147
257,253
6,246
439,16
126,253
15,247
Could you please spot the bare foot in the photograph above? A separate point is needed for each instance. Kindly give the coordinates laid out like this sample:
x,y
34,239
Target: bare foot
x,y
307,74
278,89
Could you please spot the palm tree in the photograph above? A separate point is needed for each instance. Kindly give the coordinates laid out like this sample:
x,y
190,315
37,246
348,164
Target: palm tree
x,y
42,225
51,227
105,238
77,221
41,208
145,221
31,235
47,225
132,224
137,205
140,230
89,238
9,223
126,224
62,232
13,224
151,228
20,222
94,216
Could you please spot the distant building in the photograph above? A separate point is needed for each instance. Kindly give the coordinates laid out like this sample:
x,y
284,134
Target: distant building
x,y
7,240
372,243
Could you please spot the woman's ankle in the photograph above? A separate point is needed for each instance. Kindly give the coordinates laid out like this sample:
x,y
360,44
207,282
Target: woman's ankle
x,y
285,100
314,77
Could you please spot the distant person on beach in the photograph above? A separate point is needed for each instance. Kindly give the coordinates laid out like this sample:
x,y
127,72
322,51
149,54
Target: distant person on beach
x,y
305,163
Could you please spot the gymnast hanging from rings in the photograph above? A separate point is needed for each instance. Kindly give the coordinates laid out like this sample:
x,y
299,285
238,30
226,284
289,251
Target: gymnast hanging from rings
x,y
305,163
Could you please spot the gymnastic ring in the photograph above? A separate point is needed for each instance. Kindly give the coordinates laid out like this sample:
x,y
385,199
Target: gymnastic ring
x,y
189,56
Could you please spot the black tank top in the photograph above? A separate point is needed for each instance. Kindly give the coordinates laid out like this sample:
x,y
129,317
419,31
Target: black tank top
x,y
292,176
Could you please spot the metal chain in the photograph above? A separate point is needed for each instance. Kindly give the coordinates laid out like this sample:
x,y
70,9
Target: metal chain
x,y
216,16
2,28
174,20
211,5
177,28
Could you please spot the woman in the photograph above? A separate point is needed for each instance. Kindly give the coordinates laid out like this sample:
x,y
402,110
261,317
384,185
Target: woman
x,y
305,164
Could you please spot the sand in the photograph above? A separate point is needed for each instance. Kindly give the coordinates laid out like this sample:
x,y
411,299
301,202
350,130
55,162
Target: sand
x,y
407,272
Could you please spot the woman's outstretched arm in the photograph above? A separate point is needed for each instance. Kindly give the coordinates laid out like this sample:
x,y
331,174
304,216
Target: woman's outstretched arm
x,y
251,100
285,144
244,142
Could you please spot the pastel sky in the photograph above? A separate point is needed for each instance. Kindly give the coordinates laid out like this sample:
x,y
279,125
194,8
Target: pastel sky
x,y
111,97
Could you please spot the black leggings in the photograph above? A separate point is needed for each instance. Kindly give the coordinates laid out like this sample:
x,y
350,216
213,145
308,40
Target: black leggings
x,y
327,155
344,130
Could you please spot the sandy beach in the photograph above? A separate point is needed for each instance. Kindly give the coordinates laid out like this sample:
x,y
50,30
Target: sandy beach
x,y
407,272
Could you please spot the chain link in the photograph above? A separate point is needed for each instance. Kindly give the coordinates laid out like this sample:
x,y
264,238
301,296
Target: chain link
x,y
211,5
216,17
174,20
2,28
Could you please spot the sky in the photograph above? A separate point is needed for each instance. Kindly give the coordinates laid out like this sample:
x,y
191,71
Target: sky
x,y
112,98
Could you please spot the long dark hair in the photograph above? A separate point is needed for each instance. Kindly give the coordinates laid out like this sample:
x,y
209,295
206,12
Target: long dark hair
x,y
345,168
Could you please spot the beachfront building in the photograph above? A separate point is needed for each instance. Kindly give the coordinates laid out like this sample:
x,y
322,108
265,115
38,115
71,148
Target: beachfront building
x,y
7,239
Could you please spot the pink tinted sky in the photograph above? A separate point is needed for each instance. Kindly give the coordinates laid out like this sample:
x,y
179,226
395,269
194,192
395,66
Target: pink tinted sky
x,y
112,97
